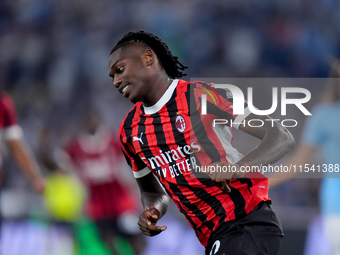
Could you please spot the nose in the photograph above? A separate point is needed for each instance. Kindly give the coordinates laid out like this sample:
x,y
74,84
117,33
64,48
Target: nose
x,y
117,81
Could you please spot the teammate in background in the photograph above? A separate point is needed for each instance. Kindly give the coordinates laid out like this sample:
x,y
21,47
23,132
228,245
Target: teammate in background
x,y
230,212
12,134
95,156
321,135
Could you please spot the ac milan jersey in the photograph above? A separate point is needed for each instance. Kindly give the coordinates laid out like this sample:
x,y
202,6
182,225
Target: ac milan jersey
x,y
97,161
8,118
172,139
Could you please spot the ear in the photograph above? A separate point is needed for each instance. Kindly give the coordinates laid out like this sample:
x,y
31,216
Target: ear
x,y
149,56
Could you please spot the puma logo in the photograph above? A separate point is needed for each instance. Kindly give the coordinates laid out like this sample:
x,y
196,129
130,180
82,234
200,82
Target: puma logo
x,y
135,138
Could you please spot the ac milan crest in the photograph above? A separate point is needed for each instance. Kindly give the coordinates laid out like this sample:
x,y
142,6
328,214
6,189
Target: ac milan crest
x,y
180,123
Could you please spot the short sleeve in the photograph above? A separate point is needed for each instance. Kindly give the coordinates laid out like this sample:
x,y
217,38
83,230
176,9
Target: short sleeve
x,y
8,119
219,102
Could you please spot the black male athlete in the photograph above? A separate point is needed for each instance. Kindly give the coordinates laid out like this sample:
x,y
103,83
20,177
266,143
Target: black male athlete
x,y
165,143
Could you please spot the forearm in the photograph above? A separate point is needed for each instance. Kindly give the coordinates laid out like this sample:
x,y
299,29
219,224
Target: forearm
x,y
152,194
156,200
24,159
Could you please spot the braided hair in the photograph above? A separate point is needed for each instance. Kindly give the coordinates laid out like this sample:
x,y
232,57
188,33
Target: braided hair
x,y
172,66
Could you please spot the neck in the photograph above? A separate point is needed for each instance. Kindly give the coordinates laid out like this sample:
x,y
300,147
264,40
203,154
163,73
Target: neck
x,y
159,87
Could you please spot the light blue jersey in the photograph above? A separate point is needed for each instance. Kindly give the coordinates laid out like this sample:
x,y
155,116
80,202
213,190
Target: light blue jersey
x,y
322,130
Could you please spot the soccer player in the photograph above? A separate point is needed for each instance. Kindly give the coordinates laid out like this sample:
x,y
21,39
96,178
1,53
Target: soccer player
x,y
321,136
165,144
13,136
94,155
14,139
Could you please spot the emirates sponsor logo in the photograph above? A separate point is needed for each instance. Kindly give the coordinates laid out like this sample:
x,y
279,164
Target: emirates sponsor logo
x,y
172,156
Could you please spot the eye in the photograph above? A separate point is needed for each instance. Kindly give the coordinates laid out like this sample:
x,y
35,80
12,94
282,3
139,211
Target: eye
x,y
119,69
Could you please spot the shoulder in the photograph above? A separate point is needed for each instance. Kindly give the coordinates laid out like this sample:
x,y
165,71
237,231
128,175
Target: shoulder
x,y
202,86
6,101
321,113
213,93
195,86
193,83
130,118
7,111
324,109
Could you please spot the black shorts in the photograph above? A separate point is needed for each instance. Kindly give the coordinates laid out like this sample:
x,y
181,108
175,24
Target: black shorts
x,y
259,233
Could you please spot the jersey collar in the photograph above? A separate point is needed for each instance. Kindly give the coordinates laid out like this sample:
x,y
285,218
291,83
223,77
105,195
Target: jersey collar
x,y
163,100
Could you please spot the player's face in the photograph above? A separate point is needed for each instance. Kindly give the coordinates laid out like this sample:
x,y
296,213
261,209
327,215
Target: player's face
x,y
130,72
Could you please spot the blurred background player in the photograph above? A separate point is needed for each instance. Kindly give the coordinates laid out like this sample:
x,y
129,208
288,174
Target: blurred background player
x,y
321,137
95,156
12,135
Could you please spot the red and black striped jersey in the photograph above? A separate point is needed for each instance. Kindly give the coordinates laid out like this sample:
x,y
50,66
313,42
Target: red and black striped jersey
x,y
9,126
172,138
96,160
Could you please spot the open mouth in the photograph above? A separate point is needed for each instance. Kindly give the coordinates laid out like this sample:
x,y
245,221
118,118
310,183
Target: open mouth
x,y
125,88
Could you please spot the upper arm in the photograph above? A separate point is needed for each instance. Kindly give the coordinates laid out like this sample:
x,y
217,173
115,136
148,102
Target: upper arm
x,y
267,128
256,131
148,183
276,141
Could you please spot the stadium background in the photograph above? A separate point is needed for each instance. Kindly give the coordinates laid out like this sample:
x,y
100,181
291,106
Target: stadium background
x,y
54,62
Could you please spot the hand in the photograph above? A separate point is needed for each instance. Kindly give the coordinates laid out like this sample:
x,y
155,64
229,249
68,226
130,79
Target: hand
x,y
39,185
222,173
147,222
